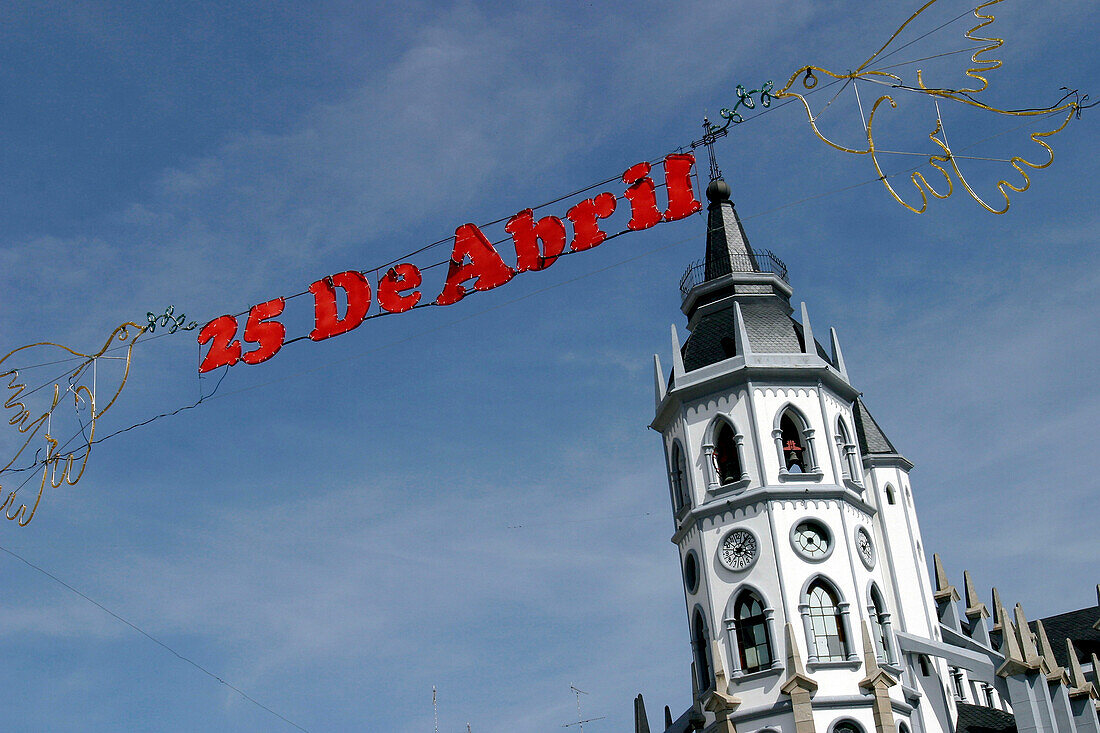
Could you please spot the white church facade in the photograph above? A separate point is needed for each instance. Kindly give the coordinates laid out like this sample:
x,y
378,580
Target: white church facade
x,y
809,603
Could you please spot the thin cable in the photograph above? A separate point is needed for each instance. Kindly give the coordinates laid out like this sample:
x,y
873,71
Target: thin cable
x,y
959,157
927,58
526,525
42,462
151,638
918,38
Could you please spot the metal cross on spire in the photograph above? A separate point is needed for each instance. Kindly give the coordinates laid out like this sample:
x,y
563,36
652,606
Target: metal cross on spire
x,y
708,137
710,134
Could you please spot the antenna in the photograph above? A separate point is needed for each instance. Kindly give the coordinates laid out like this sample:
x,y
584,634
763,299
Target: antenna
x,y
580,721
435,710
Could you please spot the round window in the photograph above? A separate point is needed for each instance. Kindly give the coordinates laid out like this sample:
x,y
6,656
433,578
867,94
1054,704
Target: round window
x,y
812,540
847,726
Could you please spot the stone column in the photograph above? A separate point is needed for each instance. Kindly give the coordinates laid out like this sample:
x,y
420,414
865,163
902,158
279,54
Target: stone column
x,y
769,620
811,647
808,434
846,619
735,653
710,472
777,434
842,457
853,463
739,441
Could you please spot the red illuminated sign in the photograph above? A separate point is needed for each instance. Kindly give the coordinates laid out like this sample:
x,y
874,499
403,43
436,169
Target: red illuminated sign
x,y
475,264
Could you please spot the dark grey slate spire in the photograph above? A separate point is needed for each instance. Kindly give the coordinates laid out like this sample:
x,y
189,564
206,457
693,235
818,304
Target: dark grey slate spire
x,y
727,246
871,438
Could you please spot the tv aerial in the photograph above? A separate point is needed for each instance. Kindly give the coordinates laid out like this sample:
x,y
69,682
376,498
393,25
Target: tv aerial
x,y
580,720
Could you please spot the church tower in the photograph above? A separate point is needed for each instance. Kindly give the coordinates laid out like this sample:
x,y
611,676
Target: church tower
x,y
807,593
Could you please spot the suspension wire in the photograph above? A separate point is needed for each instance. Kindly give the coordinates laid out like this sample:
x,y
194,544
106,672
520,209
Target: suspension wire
x,y
925,35
928,58
150,637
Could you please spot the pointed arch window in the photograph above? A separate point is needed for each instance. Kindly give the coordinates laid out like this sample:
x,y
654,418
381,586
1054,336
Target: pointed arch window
x,y
727,456
794,446
846,449
828,637
678,477
794,443
890,495
880,626
753,639
700,648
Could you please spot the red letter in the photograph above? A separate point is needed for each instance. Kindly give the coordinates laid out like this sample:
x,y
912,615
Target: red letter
x,y
327,322
585,217
485,264
642,197
399,278
269,336
226,350
681,196
526,235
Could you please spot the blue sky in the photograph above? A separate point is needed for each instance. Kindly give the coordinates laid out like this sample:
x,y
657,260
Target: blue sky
x,y
468,497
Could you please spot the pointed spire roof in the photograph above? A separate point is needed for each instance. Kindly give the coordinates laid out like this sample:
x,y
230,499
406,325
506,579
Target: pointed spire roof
x,y
727,245
1055,672
974,606
796,673
1027,640
876,676
998,610
945,592
641,720
1097,624
1010,645
1079,684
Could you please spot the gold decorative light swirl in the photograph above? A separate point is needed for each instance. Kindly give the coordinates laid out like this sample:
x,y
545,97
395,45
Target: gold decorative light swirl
x,y
981,64
58,465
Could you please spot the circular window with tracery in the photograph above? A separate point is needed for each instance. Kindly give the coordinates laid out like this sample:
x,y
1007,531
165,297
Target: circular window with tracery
x,y
812,540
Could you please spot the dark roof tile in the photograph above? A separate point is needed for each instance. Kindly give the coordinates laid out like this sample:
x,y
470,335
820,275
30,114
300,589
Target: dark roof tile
x,y
979,719
770,328
1076,626
871,438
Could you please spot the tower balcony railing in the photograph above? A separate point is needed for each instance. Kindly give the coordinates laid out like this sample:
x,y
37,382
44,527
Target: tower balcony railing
x,y
751,262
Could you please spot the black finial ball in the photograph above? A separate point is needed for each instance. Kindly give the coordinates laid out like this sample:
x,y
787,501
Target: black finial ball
x,y
718,190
